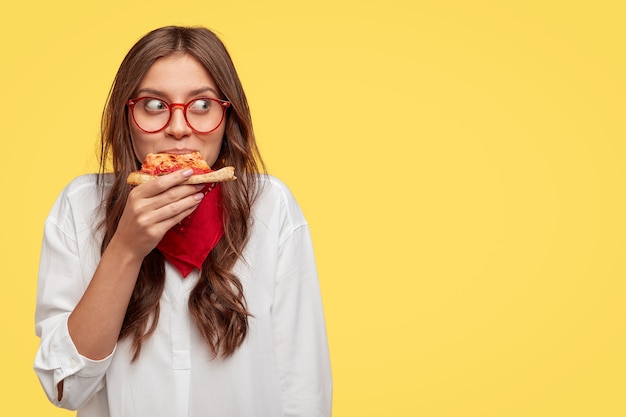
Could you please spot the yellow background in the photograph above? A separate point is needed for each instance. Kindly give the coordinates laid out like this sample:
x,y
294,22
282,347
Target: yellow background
x,y
461,164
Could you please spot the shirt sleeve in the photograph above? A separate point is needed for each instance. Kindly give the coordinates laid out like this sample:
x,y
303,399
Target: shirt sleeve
x,y
60,287
300,331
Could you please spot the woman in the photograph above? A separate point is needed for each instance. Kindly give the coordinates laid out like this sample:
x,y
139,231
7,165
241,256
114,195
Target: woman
x,y
125,330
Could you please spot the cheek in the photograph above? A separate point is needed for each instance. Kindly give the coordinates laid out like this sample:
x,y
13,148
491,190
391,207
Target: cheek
x,y
212,146
141,146
211,150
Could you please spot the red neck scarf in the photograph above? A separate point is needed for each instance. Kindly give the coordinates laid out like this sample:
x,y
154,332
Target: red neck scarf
x,y
187,244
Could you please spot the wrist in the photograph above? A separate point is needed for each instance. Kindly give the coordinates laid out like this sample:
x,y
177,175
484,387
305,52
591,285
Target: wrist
x,y
123,253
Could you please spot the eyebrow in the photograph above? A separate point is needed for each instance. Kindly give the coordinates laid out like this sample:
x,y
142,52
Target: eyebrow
x,y
162,94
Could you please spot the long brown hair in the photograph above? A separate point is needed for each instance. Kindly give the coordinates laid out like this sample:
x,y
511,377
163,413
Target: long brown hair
x,y
217,303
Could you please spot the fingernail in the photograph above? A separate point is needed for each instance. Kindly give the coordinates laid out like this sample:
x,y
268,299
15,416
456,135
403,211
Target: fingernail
x,y
200,186
198,196
187,173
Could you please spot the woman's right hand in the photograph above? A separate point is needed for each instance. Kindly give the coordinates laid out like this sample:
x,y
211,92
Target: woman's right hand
x,y
153,208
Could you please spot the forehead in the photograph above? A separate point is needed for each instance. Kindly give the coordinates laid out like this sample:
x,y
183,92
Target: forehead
x,y
180,73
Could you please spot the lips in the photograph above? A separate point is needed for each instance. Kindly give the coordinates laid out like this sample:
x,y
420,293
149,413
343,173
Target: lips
x,y
177,151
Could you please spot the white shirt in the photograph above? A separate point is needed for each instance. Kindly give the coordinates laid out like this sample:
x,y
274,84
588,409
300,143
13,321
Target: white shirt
x,y
281,369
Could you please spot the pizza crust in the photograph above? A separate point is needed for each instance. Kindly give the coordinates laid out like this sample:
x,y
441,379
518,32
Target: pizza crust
x,y
221,175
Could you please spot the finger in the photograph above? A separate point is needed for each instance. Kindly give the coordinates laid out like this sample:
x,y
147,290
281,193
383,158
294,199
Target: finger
x,y
169,219
154,223
163,183
148,201
146,218
177,208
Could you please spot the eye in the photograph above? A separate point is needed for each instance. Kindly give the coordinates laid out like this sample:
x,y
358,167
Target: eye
x,y
201,105
154,105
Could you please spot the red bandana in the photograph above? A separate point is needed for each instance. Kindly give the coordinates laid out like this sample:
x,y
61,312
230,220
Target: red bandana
x,y
187,244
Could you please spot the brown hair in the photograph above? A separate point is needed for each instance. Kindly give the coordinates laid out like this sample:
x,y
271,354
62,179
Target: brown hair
x,y
217,303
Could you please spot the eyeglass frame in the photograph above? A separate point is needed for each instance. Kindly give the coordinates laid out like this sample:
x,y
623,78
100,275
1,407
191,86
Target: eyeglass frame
x,y
171,106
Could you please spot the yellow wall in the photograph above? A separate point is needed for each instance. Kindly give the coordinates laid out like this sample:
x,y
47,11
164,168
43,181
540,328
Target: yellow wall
x,y
461,164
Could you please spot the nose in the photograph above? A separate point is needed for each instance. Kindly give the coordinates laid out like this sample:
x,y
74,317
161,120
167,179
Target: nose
x,y
178,127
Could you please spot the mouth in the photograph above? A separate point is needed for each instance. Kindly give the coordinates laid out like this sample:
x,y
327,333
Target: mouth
x,y
177,151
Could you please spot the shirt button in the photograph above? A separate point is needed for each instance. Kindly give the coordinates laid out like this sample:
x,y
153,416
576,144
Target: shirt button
x,y
73,363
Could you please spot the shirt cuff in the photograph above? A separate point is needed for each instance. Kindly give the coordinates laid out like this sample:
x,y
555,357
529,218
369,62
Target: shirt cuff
x,y
73,363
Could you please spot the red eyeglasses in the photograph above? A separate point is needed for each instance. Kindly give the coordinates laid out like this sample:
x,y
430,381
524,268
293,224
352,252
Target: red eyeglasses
x,y
203,115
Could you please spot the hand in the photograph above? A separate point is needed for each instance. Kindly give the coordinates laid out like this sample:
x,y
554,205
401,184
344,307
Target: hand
x,y
153,208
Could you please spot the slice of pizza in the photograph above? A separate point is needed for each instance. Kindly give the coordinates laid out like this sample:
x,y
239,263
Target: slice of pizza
x,y
157,164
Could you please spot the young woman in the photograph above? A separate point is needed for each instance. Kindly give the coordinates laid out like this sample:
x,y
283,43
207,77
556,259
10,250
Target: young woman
x,y
129,329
